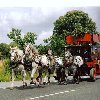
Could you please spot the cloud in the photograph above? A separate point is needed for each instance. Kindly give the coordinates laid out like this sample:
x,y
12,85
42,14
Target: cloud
x,y
43,36
49,3
37,19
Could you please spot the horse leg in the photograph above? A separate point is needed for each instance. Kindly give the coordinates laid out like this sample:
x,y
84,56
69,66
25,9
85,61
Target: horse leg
x,y
48,75
39,78
32,74
66,75
13,77
58,74
76,76
63,75
54,73
23,78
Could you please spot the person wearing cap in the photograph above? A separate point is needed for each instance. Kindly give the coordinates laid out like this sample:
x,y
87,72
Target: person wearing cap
x,y
49,52
50,56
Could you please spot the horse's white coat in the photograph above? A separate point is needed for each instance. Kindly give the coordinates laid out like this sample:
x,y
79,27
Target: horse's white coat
x,y
59,61
78,61
44,60
17,55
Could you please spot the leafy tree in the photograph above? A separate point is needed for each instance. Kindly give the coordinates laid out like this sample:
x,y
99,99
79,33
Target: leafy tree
x,y
42,49
13,44
4,50
73,22
30,38
15,35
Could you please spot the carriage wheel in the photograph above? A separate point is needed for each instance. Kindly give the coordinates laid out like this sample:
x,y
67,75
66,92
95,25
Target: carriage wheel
x,y
93,75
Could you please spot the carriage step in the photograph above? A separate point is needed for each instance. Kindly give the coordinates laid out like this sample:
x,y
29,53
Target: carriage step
x,y
85,77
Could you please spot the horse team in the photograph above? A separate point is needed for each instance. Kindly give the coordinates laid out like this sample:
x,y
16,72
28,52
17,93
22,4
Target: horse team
x,y
29,60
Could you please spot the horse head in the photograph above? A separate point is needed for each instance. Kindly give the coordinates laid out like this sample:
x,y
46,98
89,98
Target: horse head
x,y
13,53
78,60
16,54
68,57
27,49
58,60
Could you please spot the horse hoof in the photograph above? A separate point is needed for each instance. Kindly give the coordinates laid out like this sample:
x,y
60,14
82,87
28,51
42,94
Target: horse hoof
x,y
33,82
11,88
77,82
25,84
44,83
59,83
65,83
48,83
38,86
55,77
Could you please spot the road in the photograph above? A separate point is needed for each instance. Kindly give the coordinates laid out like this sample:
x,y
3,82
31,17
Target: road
x,y
83,91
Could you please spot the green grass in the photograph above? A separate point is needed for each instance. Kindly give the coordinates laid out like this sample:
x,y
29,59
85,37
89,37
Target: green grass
x,y
5,72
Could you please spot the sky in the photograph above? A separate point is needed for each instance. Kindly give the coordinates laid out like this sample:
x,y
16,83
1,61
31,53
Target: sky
x,y
38,17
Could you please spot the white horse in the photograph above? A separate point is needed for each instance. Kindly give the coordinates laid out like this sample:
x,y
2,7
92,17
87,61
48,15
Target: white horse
x,y
72,64
48,65
31,61
17,64
59,69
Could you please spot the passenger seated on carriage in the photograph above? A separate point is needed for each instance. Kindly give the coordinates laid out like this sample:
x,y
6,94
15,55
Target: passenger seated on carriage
x,y
85,55
96,54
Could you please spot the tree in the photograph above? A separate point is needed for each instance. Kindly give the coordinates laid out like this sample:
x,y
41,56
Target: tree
x,y
16,36
13,44
4,50
42,49
30,38
73,22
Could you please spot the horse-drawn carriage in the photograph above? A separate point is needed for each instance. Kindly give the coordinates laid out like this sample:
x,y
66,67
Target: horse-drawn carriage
x,y
86,47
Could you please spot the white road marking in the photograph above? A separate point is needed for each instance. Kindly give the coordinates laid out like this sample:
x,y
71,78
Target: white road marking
x,y
72,90
47,95
41,96
36,97
32,98
56,93
61,92
51,94
66,91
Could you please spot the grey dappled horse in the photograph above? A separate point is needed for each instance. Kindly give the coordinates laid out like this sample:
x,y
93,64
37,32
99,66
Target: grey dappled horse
x,y
16,60
48,66
72,65
31,61
59,69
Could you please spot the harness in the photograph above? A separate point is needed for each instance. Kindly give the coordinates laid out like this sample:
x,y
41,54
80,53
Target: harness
x,y
27,63
14,64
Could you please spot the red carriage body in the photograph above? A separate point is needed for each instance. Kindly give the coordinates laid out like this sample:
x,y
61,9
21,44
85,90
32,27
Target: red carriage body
x,y
87,41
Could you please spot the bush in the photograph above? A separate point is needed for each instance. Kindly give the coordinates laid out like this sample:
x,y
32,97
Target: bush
x,y
5,74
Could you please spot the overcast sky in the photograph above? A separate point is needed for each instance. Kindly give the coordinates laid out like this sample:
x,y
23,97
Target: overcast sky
x,y
38,19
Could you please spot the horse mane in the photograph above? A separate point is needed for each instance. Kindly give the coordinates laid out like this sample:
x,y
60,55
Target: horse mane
x,y
19,52
33,48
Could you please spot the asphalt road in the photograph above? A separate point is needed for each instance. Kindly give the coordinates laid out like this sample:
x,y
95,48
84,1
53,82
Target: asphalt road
x,y
83,91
